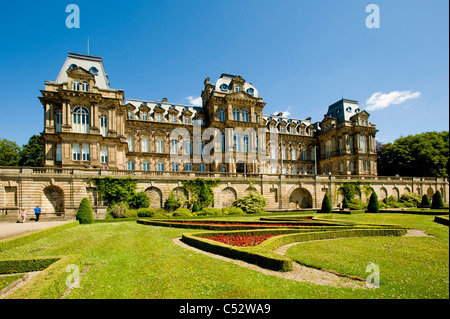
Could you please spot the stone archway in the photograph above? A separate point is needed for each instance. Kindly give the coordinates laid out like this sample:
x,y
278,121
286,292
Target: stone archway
x,y
300,198
383,193
155,196
430,192
228,196
52,200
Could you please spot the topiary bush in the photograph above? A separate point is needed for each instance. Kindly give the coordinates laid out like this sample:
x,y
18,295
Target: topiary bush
x,y
183,212
326,205
84,214
210,212
425,203
195,207
373,206
437,202
344,203
232,211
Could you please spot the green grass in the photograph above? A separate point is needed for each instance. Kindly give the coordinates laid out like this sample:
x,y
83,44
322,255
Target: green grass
x,y
130,260
5,281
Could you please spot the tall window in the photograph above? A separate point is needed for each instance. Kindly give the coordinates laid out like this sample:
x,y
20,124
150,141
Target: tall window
x,y
188,167
237,142
160,145
159,117
350,144
174,146
58,121
144,116
145,144
145,166
187,120
76,152
104,155
246,143
187,147
283,153
303,155
80,120
222,142
328,149
294,154
130,141
174,167
130,165
294,170
85,156
202,168
235,114
363,144
238,88
76,86
256,117
58,152
129,115
104,125
273,152
221,115
173,118
160,166
84,86
244,115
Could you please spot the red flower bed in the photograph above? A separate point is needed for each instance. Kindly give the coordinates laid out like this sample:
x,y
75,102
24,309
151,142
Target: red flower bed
x,y
240,240
240,224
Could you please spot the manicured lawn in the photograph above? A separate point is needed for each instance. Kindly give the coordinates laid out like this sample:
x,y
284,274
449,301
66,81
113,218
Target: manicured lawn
x,y
131,260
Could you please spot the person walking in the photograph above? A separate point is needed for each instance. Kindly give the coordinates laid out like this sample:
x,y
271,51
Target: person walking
x,y
37,212
23,214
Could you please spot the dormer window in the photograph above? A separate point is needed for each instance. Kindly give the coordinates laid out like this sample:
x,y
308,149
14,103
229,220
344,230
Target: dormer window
x,y
159,117
93,70
76,86
224,88
251,91
349,109
357,110
238,88
85,86
72,66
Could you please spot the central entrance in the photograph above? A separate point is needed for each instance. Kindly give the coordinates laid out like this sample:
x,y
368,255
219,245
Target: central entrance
x,y
241,168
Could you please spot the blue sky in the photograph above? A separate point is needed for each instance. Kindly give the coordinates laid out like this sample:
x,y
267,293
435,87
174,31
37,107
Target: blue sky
x,y
302,56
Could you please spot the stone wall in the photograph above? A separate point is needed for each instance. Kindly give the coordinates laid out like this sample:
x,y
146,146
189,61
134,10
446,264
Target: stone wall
x,y
59,191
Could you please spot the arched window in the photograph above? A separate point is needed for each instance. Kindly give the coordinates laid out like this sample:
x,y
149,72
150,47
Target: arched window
x,y
244,115
145,144
80,120
104,125
235,114
130,141
221,115
72,66
93,70
256,117
251,91
130,165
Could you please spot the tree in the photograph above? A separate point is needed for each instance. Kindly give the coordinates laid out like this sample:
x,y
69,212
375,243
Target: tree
x,y
115,190
139,200
425,203
32,153
201,191
252,203
9,153
326,205
344,203
437,202
373,206
172,203
84,213
423,154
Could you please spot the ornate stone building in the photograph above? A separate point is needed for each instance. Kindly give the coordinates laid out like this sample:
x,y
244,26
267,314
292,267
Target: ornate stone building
x,y
91,130
90,125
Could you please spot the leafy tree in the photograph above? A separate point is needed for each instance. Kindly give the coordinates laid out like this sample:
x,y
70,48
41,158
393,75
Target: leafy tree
x,y
344,203
326,205
195,207
373,206
9,153
172,203
437,202
425,203
139,200
201,191
252,203
84,214
115,190
32,153
423,154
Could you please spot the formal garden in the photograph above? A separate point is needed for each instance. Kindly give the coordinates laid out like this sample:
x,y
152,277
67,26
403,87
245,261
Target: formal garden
x,y
189,249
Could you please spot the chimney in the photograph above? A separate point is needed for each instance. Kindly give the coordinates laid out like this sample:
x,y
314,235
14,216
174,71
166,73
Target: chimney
x,y
164,100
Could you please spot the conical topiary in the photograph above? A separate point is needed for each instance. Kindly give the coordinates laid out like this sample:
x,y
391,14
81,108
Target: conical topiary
x,y
426,203
373,206
326,205
84,213
437,202
344,203
195,207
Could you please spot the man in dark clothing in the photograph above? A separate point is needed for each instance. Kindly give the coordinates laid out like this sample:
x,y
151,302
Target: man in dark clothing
x,y
37,212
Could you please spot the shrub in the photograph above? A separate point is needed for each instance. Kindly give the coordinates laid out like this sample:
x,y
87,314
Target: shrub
x,y
183,212
146,212
210,212
356,204
118,210
139,200
232,211
425,203
373,207
252,203
410,199
195,207
84,214
326,205
437,202
344,203
172,203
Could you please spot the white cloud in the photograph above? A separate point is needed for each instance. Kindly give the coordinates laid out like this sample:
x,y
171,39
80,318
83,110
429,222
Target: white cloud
x,y
195,101
379,100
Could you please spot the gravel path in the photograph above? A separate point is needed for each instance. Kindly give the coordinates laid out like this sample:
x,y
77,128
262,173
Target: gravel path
x,y
8,230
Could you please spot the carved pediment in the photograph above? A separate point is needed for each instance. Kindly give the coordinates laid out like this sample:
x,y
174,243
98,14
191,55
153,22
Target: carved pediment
x,y
80,73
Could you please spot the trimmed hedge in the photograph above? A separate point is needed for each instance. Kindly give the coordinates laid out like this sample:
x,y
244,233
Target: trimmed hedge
x,y
26,265
50,283
444,220
24,239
